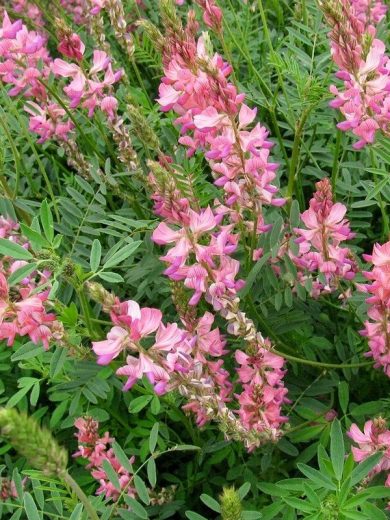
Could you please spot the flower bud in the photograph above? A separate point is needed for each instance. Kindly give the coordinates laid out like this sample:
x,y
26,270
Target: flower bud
x,y
230,505
31,441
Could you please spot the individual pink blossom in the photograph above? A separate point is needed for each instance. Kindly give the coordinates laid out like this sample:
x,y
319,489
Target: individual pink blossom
x,y
377,327
71,46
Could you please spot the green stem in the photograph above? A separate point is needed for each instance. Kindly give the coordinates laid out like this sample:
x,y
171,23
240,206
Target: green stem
x,y
316,364
86,312
294,163
267,35
381,203
336,163
319,364
80,495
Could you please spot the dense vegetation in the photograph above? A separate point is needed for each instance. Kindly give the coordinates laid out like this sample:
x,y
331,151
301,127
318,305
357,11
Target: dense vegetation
x,y
194,259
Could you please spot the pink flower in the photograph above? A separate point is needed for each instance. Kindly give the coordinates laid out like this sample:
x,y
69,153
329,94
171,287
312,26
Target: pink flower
x,y
98,449
363,67
319,243
72,47
377,327
375,438
110,348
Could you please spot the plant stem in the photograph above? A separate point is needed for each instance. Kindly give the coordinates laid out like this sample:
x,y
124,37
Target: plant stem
x,y
302,361
267,35
336,166
381,203
80,495
293,171
86,312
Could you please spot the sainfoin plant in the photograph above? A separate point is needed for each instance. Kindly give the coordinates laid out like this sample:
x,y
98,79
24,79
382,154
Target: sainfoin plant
x,y
194,259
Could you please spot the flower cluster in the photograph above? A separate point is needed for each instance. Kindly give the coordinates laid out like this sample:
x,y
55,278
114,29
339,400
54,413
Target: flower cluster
x,y
23,307
377,328
98,449
373,439
7,489
263,393
169,353
30,10
25,66
319,242
190,360
213,118
90,90
200,255
363,66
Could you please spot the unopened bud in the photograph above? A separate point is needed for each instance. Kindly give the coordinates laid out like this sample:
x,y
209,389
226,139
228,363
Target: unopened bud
x,y
230,505
31,441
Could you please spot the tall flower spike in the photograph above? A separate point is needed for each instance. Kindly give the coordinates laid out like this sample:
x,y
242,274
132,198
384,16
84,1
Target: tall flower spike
x,y
320,249
214,119
377,327
364,67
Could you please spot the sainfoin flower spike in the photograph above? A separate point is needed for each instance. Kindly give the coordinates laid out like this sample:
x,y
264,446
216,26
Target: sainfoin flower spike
x,y
96,449
363,65
214,119
190,360
320,249
377,327
24,309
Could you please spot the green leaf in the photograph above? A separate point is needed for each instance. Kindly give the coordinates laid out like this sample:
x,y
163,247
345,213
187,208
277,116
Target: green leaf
x,y
141,489
57,361
96,255
151,471
194,516
316,476
251,278
111,474
122,457
373,512
153,437
210,502
244,490
47,221
122,254
21,273
30,507
137,404
109,276
77,511
27,351
343,391
16,397
34,237
136,507
251,515
14,250
337,449
364,468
